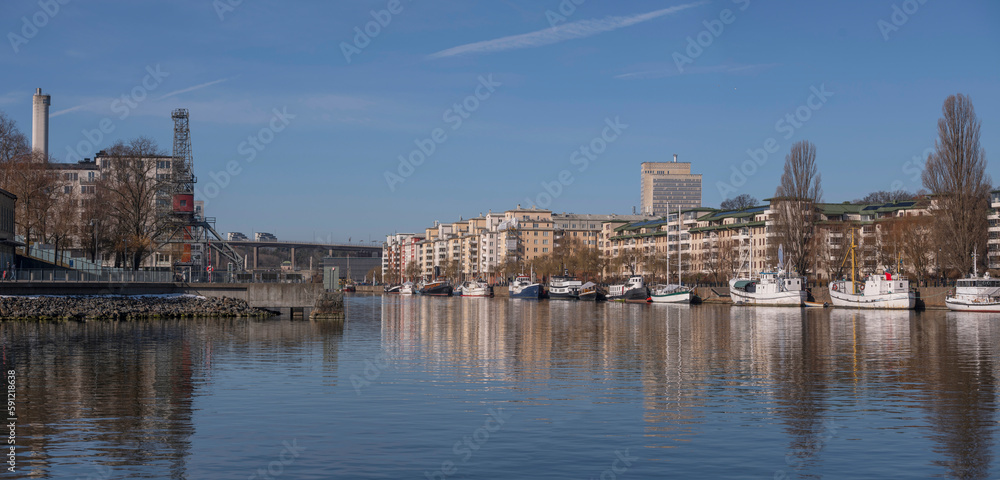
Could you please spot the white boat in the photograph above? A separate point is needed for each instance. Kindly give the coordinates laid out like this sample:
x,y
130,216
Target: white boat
x,y
769,288
634,290
406,289
564,287
673,293
670,294
882,291
478,288
975,293
877,291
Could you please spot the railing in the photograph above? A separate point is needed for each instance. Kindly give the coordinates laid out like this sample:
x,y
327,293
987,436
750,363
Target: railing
x,y
51,275
145,276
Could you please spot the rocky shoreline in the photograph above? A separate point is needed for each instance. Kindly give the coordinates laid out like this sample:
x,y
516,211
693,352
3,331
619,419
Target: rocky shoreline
x,y
124,307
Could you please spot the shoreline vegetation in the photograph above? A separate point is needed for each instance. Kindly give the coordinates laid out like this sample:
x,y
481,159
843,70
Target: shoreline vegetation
x,y
125,307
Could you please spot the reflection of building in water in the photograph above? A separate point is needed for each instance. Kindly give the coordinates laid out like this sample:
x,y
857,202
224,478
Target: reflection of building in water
x,y
805,369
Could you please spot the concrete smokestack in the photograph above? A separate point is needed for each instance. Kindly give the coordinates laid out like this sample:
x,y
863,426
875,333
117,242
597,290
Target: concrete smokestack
x,y
40,123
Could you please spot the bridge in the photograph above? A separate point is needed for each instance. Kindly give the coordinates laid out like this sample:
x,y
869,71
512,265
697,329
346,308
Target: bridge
x,y
345,249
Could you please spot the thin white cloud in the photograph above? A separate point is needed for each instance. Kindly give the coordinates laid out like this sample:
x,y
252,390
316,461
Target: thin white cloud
x,y
191,89
695,70
71,109
559,33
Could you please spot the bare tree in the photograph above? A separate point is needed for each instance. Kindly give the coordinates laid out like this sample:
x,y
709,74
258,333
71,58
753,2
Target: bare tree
x,y
742,201
885,196
130,185
956,175
14,148
799,191
412,271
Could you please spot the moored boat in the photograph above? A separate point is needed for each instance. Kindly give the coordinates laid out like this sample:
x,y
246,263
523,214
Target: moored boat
x,y
406,288
523,287
478,288
975,293
877,291
564,287
633,291
769,288
392,288
438,288
670,294
591,292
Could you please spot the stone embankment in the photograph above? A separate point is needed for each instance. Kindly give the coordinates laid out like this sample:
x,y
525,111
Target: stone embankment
x,y
124,307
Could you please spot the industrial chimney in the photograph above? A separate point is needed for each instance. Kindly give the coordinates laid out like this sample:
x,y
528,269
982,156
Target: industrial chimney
x,y
675,158
40,123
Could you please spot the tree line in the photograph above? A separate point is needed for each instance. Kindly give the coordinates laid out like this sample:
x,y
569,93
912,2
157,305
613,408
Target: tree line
x,y
120,219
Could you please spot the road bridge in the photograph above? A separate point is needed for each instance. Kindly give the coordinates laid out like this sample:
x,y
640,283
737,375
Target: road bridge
x,y
343,249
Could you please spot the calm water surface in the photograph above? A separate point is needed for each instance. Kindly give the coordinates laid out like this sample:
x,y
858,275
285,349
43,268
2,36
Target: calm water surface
x,y
467,388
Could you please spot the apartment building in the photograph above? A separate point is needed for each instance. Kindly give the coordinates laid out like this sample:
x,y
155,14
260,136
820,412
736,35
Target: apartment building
x,y
993,242
668,185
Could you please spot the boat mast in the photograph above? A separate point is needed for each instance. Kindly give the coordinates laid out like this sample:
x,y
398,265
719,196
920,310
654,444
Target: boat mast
x,y
668,244
975,268
679,227
854,287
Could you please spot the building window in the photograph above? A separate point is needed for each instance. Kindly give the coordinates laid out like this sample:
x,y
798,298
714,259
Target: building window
x,y
544,250
87,189
67,189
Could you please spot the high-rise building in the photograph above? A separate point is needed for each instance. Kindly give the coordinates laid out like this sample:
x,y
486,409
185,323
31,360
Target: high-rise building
x,y
668,185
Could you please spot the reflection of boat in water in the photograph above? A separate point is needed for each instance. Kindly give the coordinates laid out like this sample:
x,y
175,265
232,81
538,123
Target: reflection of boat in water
x,y
633,291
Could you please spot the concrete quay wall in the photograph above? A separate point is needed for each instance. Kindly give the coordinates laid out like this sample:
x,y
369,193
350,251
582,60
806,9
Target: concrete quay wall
x,y
282,297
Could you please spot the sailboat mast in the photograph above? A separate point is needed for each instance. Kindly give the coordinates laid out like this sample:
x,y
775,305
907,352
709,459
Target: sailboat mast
x,y
854,286
680,226
668,243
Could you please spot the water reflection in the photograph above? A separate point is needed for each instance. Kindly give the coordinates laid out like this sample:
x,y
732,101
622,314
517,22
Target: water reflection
x,y
698,390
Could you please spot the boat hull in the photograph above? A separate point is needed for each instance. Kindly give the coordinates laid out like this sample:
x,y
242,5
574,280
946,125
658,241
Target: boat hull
x,y
477,292
531,291
885,301
635,295
959,305
562,295
437,291
677,297
777,299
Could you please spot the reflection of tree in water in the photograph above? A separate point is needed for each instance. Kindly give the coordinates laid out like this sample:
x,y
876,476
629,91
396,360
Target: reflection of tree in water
x,y
106,398
116,394
802,374
960,393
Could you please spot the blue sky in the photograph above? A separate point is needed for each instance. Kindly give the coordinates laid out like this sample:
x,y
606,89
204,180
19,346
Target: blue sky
x,y
552,81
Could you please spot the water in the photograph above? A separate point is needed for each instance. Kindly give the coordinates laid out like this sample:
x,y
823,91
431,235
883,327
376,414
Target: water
x,y
469,388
